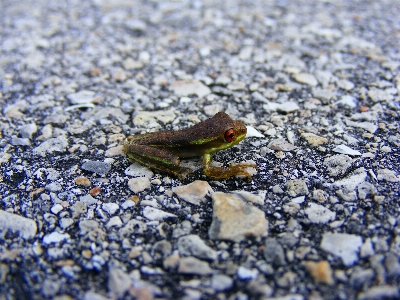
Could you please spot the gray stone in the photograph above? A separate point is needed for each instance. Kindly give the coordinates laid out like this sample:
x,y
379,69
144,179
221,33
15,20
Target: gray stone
x,y
195,192
319,214
24,226
118,282
221,282
194,266
235,220
274,253
58,144
296,187
193,245
88,200
20,141
28,130
344,245
98,167
337,164
155,214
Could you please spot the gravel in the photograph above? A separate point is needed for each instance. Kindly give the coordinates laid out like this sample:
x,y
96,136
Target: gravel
x,y
316,82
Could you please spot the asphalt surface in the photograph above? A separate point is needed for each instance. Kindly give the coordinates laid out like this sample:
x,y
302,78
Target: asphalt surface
x,y
317,84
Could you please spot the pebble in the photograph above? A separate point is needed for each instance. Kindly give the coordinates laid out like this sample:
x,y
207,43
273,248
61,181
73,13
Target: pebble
x,y
378,95
319,214
55,237
58,144
190,87
296,187
252,132
197,192
388,175
274,252
346,246
98,167
350,182
281,145
118,282
306,78
155,214
321,271
88,200
150,119
193,266
56,209
221,282
193,245
246,274
139,184
256,198
20,141
27,131
110,208
137,170
114,222
235,220
338,164
86,226
26,227
346,150
380,292
78,208
314,140
81,97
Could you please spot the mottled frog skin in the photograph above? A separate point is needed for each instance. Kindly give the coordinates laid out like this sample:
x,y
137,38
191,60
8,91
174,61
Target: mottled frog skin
x,y
163,150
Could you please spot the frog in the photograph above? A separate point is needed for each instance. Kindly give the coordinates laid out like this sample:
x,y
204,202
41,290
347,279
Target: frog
x,y
162,151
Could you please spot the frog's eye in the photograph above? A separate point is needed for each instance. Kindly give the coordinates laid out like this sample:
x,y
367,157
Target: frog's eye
x,y
230,135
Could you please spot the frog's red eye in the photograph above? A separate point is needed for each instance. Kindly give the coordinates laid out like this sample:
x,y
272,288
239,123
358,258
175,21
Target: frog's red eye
x,y
230,135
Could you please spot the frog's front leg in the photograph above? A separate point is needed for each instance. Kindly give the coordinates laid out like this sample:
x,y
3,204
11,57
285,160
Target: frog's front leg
x,y
155,158
222,172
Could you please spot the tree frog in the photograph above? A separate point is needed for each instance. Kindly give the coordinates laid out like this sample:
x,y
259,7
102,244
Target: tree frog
x,y
163,150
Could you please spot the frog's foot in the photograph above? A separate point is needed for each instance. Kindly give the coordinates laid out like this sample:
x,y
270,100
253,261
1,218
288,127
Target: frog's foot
x,y
232,170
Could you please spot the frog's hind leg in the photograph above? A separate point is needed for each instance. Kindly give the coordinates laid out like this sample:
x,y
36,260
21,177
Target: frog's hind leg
x,y
155,158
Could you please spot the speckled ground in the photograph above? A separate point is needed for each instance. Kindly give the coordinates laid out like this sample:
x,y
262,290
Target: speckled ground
x,y
317,84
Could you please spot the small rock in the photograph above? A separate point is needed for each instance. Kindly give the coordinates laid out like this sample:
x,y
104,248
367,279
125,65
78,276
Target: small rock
x,y
56,209
110,208
139,184
114,222
58,144
221,282
313,140
365,189
281,145
118,282
349,183
235,220
346,150
194,266
137,170
319,195
251,197
98,167
321,271
28,130
24,226
15,141
388,175
84,181
155,214
82,97
337,164
287,107
88,200
296,188
319,214
344,245
274,253
193,245
380,292
78,208
378,95
55,237
195,192
190,87
306,78
246,274
86,226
